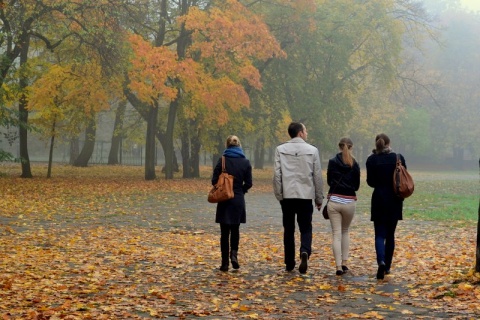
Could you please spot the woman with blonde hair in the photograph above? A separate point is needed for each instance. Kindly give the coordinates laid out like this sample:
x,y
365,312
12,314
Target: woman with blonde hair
x,y
343,177
232,212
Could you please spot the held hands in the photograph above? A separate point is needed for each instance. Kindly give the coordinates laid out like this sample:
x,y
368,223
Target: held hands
x,y
318,205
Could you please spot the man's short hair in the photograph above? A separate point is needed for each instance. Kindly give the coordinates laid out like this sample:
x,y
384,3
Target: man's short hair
x,y
294,128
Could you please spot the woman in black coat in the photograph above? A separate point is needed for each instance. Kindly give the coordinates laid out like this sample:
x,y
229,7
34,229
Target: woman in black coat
x,y
232,212
386,207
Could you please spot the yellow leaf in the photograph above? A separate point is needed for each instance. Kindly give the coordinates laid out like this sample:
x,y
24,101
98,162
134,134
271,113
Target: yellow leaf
x,y
373,314
465,286
244,308
325,287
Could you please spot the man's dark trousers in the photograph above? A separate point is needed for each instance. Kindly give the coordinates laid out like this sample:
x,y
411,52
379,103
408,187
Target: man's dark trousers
x,y
303,209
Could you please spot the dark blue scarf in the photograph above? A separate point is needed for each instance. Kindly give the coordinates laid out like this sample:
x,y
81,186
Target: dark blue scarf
x,y
234,152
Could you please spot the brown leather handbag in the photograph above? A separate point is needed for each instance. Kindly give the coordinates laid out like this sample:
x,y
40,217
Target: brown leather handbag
x,y
403,185
223,190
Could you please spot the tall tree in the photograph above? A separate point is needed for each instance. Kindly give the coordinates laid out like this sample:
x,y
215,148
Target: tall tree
x,y
70,96
21,24
354,69
44,26
23,112
352,43
207,81
154,20
215,38
153,66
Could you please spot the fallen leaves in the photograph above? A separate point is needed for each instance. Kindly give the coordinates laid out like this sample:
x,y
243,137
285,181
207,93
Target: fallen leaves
x,y
103,248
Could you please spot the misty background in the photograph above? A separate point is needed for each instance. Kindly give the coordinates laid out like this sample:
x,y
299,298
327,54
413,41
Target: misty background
x,y
424,94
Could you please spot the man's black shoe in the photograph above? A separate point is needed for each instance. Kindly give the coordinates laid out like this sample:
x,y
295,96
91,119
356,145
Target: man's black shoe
x,y
234,259
289,267
304,263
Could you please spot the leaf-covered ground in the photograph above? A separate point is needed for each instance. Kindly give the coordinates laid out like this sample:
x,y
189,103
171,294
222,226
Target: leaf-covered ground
x,y
102,243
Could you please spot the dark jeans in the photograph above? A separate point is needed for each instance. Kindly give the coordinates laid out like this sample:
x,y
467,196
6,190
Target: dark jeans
x,y
229,238
303,208
385,241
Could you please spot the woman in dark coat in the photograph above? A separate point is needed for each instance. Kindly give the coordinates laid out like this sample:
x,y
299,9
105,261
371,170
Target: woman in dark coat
x,y
386,207
232,212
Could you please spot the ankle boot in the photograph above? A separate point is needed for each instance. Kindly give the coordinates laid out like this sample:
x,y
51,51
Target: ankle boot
x,y
224,266
381,271
233,258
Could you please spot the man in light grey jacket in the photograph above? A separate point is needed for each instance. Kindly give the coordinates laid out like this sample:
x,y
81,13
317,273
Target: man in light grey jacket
x,y
297,180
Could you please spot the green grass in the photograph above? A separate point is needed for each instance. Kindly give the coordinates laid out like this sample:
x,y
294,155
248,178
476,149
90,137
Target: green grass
x,y
443,207
442,195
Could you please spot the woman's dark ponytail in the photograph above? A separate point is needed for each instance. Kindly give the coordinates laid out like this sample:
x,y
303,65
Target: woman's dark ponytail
x,y
381,142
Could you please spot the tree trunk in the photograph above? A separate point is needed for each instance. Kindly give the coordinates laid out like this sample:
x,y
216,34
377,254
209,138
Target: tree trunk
x,y
150,151
477,264
23,114
182,45
218,154
259,154
195,156
50,154
168,147
161,136
191,155
74,150
117,134
88,146
186,154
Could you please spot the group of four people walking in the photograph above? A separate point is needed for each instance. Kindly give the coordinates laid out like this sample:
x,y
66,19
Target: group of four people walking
x,y
298,186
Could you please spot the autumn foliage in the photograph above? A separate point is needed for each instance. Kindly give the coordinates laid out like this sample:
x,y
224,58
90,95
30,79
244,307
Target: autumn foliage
x,y
226,41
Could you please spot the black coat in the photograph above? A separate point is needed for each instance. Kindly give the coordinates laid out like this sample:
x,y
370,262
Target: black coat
x,y
343,179
233,211
385,205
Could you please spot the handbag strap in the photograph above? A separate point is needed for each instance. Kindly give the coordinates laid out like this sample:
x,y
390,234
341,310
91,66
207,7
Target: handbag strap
x,y
223,164
399,161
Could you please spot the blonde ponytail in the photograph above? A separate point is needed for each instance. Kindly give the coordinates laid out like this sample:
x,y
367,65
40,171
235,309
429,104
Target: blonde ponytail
x,y
346,145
